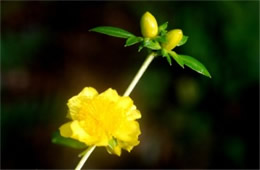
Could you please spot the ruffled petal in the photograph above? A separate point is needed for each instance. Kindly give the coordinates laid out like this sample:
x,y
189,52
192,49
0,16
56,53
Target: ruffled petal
x,y
74,130
127,106
125,103
65,130
109,95
133,114
75,103
88,92
128,132
116,150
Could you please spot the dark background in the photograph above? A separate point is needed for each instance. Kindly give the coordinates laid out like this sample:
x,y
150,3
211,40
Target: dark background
x,y
188,120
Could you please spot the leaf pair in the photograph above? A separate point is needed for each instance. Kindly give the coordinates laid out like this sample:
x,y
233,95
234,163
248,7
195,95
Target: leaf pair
x,y
188,61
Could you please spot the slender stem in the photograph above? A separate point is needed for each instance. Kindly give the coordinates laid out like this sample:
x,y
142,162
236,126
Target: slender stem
x,y
130,88
139,74
85,157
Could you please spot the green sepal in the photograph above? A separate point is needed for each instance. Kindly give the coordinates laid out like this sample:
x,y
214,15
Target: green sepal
x,y
140,47
183,40
58,139
161,38
113,31
111,145
151,44
82,153
163,27
176,57
164,53
195,65
133,40
169,59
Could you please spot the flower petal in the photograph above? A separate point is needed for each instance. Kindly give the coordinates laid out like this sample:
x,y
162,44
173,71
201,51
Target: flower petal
x,y
65,130
124,104
109,95
133,113
116,150
74,130
128,132
75,103
88,92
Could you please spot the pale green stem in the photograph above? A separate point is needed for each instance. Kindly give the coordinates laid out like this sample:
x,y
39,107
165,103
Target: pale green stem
x,y
128,91
139,74
85,157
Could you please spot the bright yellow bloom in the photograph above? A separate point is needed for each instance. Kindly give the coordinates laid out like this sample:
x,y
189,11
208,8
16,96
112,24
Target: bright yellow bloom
x,y
105,119
173,37
149,26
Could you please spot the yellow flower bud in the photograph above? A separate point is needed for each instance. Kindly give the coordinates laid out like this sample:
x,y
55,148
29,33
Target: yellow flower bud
x,y
173,37
149,26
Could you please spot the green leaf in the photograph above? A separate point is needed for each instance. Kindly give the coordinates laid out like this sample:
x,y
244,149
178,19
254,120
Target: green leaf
x,y
58,139
161,38
140,47
177,58
195,65
163,27
169,59
133,40
183,40
151,44
112,31
164,52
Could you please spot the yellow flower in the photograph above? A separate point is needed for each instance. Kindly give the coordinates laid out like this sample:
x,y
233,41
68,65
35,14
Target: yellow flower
x,y
173,37
149,26
105,119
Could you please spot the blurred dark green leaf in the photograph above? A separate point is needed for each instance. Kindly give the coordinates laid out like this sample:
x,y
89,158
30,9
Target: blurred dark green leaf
x,y
58,139
112,31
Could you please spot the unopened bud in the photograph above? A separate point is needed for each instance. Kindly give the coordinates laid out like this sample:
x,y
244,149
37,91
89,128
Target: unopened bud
x,y
149,26
173,37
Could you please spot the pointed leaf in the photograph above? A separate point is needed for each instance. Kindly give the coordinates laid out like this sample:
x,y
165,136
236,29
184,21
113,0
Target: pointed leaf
x,y
154,45
141,46
163,27
183,40
112,31
177,58
58,139
169,59
161,39
164,52
195,65
133,40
